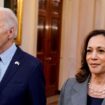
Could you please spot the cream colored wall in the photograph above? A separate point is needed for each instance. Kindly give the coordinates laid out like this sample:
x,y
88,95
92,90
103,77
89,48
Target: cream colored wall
x,y
1,3
29,31
100,14
65,57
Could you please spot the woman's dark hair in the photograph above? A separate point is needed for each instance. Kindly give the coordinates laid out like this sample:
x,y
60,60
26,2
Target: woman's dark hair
x,y
84,72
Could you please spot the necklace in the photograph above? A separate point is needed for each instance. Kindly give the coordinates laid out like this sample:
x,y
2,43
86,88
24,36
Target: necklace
x,y
98,91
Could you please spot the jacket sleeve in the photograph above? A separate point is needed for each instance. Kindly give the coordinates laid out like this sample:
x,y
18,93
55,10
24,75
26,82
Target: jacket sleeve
x,y
66,91
61,98
37,86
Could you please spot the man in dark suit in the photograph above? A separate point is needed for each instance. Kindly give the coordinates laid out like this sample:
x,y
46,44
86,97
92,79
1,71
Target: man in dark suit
x,y
21,75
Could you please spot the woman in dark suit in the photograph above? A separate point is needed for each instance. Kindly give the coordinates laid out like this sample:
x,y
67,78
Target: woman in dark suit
x,y
88,86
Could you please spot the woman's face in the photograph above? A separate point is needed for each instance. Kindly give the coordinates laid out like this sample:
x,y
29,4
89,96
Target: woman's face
x,y
95,56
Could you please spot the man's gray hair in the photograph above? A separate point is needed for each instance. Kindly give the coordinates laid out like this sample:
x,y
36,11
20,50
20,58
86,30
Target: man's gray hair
x,y
9,19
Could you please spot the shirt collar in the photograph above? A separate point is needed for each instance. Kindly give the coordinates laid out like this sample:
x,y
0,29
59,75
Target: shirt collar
x,y
8,54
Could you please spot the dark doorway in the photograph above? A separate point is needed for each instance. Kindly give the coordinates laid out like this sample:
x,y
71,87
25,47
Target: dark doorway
x,y
48,46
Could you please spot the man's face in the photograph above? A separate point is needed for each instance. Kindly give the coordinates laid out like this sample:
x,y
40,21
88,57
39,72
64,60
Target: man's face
x,y
5,34
3,39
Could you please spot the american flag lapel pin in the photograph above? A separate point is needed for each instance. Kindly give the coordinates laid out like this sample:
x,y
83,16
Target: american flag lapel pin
x,y
17,63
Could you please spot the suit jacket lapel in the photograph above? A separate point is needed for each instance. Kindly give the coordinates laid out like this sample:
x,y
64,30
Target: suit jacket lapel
x,y
11,70
80,96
